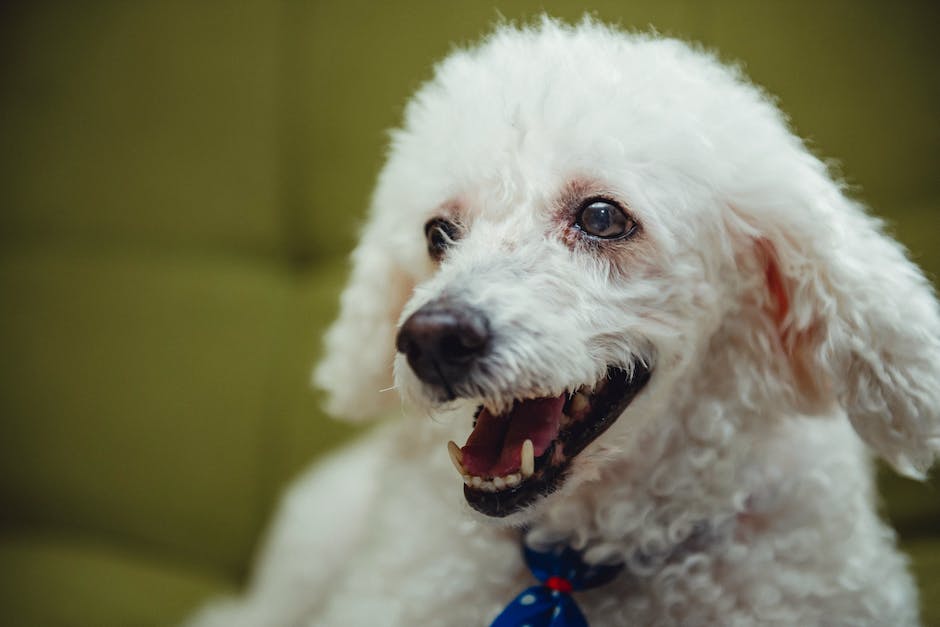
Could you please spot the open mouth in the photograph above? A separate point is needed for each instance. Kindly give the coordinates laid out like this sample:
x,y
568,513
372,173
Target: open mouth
x,y
512,459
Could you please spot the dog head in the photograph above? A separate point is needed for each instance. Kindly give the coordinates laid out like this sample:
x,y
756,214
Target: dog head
x,y
579,230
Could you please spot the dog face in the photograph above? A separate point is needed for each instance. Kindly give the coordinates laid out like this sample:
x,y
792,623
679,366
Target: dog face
x,y
525,318
578,231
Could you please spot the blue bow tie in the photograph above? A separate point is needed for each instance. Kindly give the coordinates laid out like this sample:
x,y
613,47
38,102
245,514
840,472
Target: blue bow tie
x,y
560,571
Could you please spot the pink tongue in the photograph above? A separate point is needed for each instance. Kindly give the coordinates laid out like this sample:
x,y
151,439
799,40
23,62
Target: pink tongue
x,y
494,448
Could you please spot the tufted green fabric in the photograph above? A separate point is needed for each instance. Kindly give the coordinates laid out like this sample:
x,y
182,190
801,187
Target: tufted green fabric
x,y
179,185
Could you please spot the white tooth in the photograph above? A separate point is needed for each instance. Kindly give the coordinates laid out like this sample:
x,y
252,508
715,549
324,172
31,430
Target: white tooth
x,y
579,403
528,459
499,482
476,481
456,456
487,486
467,479
513,479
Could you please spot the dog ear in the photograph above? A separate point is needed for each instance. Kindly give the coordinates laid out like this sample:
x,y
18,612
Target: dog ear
x,y
356,368
857,321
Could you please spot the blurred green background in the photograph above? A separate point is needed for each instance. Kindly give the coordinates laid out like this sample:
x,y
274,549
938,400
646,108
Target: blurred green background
x,y
179,185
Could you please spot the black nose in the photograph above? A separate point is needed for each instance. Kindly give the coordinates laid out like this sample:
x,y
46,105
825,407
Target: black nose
x,y
442,340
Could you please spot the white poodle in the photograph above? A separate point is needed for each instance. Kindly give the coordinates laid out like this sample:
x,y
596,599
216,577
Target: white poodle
x,y
663,332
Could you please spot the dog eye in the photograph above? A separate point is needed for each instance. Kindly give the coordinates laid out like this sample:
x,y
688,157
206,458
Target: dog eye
x,y
440,234
604,219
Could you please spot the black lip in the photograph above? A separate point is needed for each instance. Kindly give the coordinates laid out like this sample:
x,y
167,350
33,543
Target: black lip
x,y
551,468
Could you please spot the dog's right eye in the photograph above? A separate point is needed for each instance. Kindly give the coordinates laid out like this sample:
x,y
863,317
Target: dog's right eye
x,y
440,234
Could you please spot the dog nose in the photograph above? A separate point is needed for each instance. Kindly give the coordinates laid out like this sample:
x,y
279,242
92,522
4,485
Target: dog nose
x,y
441,340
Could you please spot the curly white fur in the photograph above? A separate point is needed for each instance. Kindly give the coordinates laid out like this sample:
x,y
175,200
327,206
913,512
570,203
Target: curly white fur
x,y
776,315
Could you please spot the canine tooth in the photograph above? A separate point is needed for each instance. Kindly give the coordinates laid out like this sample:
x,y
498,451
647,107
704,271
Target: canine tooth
x,y
476,481
456,456
513,479
528,459
579,403
468,480
499,483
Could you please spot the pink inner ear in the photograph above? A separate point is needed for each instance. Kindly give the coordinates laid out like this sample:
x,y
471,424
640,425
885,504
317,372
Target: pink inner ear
x,y
779,299
796,344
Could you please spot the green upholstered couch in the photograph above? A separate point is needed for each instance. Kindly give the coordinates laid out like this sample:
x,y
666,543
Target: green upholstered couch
x,y
180,184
